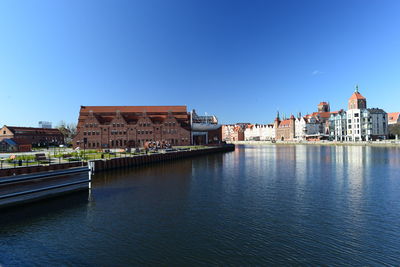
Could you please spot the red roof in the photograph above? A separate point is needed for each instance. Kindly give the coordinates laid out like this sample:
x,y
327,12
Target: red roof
x,y
33,130
356,95
394,117
105,114
285,123
134,109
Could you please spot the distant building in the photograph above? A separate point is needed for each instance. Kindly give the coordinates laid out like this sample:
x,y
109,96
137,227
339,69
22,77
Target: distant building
x,y
285,130
45,124
11,145
307,127
259,132
233,132
37,137
338,125
362,123
394,118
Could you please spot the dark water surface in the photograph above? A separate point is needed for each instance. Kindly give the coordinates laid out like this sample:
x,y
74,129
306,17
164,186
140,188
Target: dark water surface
x,y
259,205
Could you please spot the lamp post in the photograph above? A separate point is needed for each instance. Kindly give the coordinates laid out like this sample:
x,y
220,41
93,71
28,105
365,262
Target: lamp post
x,y
84,147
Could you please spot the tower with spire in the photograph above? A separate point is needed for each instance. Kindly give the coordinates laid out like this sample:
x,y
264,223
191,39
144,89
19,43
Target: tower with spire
x,y
357,101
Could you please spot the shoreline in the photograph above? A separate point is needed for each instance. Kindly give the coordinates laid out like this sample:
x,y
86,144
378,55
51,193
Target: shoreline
x,y
390,143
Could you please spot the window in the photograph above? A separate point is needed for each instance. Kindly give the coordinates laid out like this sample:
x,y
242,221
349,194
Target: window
x,y
113,124
349,121
356,115
4,132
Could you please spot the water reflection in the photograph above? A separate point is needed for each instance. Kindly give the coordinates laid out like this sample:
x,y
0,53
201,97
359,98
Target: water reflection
x,y
260,205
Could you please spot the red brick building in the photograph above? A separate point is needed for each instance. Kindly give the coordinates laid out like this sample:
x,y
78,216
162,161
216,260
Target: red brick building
x,y
131,126
37,137
285,130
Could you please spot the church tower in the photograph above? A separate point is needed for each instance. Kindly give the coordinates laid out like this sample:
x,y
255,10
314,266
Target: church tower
x,y
357,101
323,107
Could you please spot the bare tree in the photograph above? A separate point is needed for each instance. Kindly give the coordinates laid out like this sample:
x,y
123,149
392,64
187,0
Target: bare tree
x,y
68,130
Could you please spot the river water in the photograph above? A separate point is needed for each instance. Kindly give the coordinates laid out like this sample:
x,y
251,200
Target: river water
x,y
259,205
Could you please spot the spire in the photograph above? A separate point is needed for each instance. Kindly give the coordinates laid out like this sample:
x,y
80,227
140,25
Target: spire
x,y
277,114
356,91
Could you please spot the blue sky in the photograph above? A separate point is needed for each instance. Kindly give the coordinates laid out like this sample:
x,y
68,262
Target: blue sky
x,y
239,60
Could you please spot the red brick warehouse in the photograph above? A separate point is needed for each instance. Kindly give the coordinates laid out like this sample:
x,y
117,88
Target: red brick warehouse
x,y
132,126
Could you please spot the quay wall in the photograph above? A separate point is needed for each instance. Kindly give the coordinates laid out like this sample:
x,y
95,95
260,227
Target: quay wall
x,y
115,163
124,162
40,168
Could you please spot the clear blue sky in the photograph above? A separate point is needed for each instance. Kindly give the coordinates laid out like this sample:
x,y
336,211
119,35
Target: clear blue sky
x,y
239,60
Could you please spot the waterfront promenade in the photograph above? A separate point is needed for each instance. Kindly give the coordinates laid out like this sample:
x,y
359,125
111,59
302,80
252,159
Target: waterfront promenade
x,y
105,161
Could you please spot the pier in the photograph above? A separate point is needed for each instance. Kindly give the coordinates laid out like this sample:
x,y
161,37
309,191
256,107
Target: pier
x,y
26,188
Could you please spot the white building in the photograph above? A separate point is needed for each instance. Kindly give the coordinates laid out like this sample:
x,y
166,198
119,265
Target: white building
x,y
338,126
259,132
362,124
306,127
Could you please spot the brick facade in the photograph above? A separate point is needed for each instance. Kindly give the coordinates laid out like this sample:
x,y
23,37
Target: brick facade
x,y
33,136
131,126
285,130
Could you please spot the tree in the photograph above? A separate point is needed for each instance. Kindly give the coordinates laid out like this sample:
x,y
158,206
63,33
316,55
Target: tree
x,y
394,129
68,130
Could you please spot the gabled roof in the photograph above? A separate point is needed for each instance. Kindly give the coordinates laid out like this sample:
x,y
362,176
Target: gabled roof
x,y
394,116
356,95
133,109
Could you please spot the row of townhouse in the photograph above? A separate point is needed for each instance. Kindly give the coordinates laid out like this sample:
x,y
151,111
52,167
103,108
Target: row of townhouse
x,y
357,123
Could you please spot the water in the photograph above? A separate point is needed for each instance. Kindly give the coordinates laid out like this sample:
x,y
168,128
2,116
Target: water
x,y
259,205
